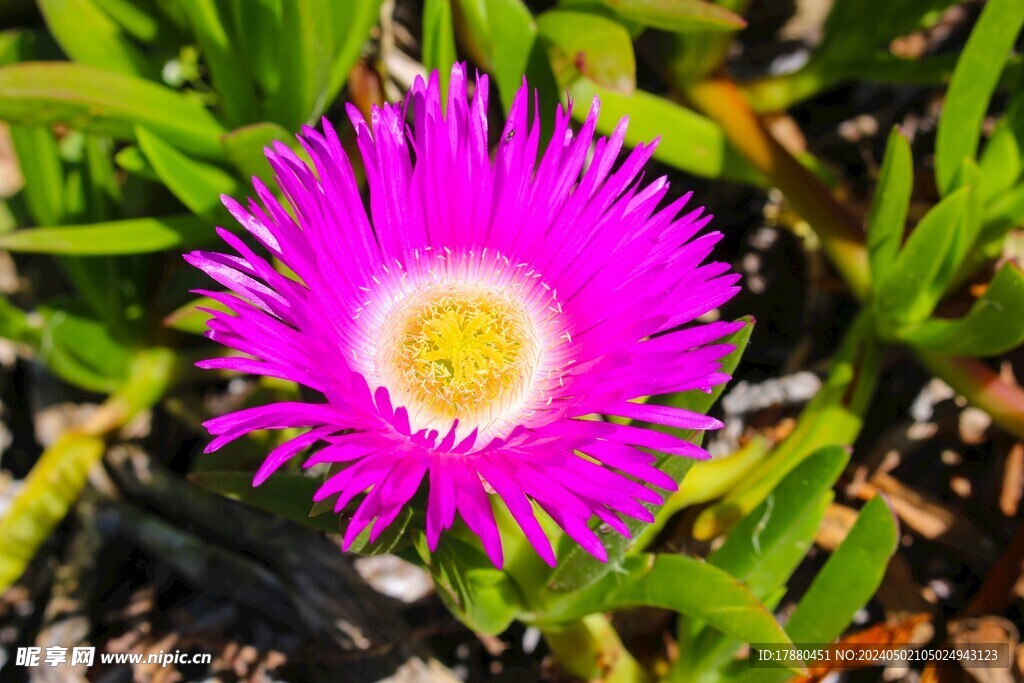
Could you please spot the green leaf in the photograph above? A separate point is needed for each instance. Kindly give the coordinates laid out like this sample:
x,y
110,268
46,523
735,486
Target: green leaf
x,y
39,159
89,36
994,325
974,79
352,22
483,598
889,208
763,550
196,184
499,35
46,93
50,490
81,349
1000,162
690,142
190,319
691,587
576,568
132,160
256,26
833,417
244,147
230,79
599,48
439,41
909,293
849,578
844,585
680,16
134,17
130,236
285,495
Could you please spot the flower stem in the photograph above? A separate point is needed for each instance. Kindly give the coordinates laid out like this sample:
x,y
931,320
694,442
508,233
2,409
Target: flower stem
x,y
839,230
590,648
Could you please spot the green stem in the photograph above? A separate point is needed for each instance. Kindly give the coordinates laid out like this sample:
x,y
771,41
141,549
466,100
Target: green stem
x,y
591,649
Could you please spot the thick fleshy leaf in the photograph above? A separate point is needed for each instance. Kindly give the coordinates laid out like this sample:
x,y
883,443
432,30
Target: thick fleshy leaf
x,y
439,40
132,160
908,294
130,236
849,578
483,598
682,584
888,215
41,167
763,550
833,417
90,36
80,349
1001,160
89,99
681,16
576,567
599,48
844,585
230,79
141,22
190,319
974,80
48,493
244,147
196,184
256,26
689,141
500,37
994,325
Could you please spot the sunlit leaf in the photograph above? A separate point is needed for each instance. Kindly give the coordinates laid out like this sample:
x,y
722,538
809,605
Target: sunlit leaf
x,y
577,568
89,36
244,147
41,168
130,236
678,15
907,294
994,325
974,79
891,202
228,74
500,37
46,93
190,319
196,184
599,48
689,141
439,40
833,417
682,584
849,578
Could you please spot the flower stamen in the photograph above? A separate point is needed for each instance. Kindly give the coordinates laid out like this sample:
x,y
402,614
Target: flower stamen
x,y
458,350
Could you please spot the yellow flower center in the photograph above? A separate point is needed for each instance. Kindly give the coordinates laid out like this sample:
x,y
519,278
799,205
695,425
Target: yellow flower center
x,y
458,351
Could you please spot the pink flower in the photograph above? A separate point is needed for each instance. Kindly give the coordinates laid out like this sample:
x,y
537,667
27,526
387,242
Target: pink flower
x,y
462,332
